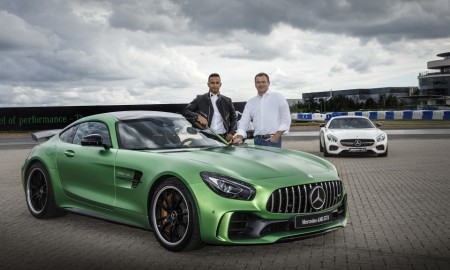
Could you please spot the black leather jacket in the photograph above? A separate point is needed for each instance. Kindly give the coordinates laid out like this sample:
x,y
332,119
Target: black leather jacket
x,y
202,104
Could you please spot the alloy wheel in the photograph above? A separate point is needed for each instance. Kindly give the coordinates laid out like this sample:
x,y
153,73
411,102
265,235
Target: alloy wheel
x,y
37,191
171,215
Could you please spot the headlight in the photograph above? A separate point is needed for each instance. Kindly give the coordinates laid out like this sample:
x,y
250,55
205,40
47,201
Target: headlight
x,y
332,138
228,187
381,137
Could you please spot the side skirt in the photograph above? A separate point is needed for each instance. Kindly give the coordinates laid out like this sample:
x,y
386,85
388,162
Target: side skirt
x,y
103,217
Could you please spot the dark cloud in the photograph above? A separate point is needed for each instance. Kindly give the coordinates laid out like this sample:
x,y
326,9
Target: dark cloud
x,y
16,35
148,16
385,20
52,52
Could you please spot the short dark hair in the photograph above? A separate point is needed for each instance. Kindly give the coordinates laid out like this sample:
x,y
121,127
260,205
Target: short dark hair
x,y
263,74
213,75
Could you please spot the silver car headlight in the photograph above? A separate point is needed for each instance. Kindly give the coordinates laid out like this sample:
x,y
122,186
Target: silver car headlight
x,y
332,138
381,137
228,187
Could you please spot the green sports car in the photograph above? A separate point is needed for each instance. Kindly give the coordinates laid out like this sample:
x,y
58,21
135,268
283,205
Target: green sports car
x,y
155,171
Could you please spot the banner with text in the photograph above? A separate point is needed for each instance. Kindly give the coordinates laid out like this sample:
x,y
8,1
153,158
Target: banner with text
x,y
44,118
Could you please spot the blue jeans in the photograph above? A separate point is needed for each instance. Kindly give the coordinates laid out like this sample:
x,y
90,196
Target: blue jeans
x,y
261,141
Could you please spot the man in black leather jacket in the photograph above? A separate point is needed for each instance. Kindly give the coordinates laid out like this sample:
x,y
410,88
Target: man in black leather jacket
x,y
213,110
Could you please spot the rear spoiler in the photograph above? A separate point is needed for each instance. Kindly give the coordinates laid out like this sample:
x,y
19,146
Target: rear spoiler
x,y
45,134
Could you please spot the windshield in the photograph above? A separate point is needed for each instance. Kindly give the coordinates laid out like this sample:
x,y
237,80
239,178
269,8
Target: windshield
x,y
161,133
350,123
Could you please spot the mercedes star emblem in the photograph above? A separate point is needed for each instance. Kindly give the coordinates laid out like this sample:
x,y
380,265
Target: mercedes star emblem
x,y
357,143
317,197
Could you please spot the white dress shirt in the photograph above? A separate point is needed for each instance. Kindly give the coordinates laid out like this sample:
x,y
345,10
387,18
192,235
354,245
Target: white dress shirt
x,y
269,113
217,121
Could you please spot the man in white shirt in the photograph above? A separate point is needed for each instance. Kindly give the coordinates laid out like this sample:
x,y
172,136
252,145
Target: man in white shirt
x,y
269,113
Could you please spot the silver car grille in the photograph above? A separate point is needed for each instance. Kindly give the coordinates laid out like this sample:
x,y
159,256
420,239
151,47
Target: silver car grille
x,y
361,142
296,199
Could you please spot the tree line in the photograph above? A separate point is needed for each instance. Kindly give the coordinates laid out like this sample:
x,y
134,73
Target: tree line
x,y
341,103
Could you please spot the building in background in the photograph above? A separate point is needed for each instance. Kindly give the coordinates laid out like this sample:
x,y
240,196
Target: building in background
x,y
361,95
434,86
433,92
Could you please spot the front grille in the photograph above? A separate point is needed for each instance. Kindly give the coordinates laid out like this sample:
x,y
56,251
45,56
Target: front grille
x,y
364,142
296,199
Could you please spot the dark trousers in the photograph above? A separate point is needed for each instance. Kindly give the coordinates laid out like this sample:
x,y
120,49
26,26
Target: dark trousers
x,y
265,142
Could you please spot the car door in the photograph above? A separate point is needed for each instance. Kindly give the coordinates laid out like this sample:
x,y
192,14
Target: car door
x,y
87,172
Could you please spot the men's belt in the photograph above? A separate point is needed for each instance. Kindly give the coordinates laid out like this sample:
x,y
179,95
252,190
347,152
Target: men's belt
x,y
266,136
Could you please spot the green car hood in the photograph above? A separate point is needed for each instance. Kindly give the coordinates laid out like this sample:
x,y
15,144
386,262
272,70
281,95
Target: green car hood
x,y
258,162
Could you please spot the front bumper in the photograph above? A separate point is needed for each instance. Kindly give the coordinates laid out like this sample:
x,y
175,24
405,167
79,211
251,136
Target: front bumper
x,y
247,227
337,148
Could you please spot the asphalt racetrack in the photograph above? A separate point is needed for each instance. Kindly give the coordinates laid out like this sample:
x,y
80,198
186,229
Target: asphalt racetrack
x,y
399,219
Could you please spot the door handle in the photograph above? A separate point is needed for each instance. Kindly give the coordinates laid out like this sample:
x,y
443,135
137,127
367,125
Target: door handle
x,y
69,153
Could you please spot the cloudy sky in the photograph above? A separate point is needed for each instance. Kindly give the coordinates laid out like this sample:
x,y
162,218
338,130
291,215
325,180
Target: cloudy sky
x,y
94,52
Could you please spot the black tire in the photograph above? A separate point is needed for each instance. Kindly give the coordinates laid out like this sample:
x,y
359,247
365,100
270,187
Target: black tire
x,y
385,153
39,193
325,152
174,217
320,145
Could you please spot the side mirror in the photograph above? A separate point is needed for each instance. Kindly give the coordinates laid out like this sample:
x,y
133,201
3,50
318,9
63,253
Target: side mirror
x,y
322,125
378,124
93,140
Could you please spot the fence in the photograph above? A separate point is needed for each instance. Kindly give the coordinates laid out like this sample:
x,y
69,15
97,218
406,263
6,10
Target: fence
x,y
376,115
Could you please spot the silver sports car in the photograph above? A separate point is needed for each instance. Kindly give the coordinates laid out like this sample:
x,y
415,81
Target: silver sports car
x,y
352,135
